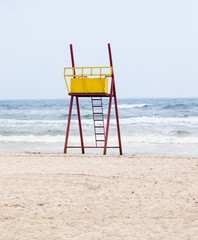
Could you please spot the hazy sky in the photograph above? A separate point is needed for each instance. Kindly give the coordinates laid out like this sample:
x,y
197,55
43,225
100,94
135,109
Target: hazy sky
x,y
154,45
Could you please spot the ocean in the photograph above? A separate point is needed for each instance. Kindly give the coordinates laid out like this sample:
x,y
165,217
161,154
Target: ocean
x,y
149,127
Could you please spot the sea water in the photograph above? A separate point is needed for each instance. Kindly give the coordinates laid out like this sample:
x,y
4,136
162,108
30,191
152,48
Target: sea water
x,y
154,127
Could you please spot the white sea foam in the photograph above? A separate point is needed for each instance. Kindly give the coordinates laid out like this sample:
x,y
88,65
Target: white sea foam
x,y
30,122
159,139
127,106
150,120
128,140
159,120
33,139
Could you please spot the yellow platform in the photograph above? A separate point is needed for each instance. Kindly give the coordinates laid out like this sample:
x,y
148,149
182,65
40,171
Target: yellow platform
x,y
87,80
88,85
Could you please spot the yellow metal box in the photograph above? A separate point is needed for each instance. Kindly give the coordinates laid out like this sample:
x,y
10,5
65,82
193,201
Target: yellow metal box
x,y
88,85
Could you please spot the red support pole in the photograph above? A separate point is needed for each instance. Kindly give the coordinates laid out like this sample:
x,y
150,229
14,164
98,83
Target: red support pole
x,y
108,121
68,125
80,126
77,103
115,100
72,57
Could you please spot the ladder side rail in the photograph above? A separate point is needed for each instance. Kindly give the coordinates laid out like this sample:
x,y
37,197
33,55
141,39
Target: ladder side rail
x,y
98,117
93,120
103,114
101,119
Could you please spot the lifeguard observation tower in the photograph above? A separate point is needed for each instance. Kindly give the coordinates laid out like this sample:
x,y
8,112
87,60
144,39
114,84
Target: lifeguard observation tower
x,y
93,82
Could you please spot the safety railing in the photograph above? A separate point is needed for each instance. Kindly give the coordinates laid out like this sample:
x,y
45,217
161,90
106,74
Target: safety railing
x,y
94,72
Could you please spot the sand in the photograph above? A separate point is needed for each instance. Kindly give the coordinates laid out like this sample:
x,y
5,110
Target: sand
x,y
52,197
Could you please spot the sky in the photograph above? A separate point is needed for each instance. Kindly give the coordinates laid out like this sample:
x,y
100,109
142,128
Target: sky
x,y
154,45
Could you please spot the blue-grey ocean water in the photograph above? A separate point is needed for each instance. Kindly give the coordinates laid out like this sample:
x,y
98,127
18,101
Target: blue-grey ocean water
x,y
156,127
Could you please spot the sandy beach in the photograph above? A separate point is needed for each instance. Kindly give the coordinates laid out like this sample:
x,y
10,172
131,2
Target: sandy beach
x,y
56,196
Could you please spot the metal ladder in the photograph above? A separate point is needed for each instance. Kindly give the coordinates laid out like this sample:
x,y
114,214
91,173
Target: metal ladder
x,y
98,119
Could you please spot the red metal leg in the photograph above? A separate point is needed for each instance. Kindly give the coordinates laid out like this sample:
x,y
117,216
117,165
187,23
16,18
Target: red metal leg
x,y
117,121
108,122
80,126
115,100
68,125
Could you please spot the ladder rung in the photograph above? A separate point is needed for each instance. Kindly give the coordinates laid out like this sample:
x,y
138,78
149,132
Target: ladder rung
x,y
98,116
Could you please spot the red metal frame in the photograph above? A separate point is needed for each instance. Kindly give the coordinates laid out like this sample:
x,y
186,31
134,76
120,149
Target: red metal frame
x,y
111,95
